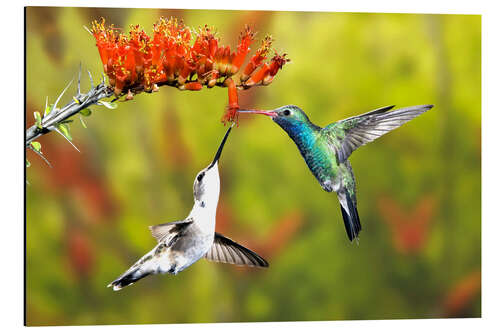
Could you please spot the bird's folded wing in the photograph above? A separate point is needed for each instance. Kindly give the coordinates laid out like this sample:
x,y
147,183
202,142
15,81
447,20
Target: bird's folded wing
x,y
347,135
227,251
162,231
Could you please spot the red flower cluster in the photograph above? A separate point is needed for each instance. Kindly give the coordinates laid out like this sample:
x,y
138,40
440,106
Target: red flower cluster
x,y
141,62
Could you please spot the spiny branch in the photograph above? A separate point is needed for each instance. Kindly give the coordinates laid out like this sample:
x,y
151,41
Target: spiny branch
x,y
55,119
56,116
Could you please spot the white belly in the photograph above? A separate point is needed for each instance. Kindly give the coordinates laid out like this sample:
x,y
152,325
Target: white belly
x,y
189,251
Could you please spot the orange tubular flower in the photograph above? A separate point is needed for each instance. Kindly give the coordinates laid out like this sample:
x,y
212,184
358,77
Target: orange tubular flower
x,y
246,39
233,106
258,76
257,59
191,86
276,64
140,62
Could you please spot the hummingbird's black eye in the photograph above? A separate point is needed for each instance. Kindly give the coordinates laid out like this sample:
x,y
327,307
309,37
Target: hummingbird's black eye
x,y
200,176
286,112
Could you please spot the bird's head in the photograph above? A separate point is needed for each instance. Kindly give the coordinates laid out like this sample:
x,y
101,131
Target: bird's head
x,y
288,116
206,185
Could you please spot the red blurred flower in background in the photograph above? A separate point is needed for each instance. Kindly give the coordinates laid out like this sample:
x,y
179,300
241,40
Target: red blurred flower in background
x,y
141,62
462,294
409,230
276,240
80,252
74,176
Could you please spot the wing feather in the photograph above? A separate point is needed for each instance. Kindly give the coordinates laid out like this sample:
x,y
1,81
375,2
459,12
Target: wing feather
x,y
163,231
228,251
347,135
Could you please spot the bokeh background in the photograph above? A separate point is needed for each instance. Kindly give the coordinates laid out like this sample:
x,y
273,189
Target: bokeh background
x,y
419,193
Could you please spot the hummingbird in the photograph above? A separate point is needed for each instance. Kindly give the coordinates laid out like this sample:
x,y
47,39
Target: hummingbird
x,y
182,243
326,150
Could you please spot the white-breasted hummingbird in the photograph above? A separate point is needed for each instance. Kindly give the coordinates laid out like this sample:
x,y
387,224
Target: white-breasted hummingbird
x,y
182,243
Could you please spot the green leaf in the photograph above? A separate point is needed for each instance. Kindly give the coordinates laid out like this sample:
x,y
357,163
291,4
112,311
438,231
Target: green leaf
x,y
48,109
38,119
36,145
109,105
67,121
28,164
83,123
64,128
86,112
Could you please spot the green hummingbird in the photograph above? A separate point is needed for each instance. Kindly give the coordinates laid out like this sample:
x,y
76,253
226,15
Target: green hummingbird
x,y
326,150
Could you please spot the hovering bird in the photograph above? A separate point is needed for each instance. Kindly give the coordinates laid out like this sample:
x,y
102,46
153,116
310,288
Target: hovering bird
x,y
326,150
182,243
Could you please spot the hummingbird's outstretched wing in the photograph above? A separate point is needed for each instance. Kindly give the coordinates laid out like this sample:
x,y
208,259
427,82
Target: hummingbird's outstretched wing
x,y
228,251
347,135
167,232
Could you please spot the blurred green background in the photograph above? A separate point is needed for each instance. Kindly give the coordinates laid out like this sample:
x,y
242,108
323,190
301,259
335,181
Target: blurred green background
x,y
419,192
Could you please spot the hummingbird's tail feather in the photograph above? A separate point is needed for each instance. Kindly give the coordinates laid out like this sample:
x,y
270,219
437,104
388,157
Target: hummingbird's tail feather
x,y
145,266
127,279
350,215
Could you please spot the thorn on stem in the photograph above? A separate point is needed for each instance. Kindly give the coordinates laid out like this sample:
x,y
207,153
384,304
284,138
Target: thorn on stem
x,y
88,30
64,136
91,80
61,95
78,91
41,155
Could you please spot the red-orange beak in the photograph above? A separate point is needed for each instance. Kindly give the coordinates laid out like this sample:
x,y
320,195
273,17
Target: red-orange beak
x,y
271,114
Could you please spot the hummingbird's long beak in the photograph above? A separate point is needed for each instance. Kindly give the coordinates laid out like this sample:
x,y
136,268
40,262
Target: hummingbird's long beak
x,y
219,151
264,112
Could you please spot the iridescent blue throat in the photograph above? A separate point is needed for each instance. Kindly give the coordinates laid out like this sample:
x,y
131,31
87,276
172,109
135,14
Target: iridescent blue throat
x,y
303,133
